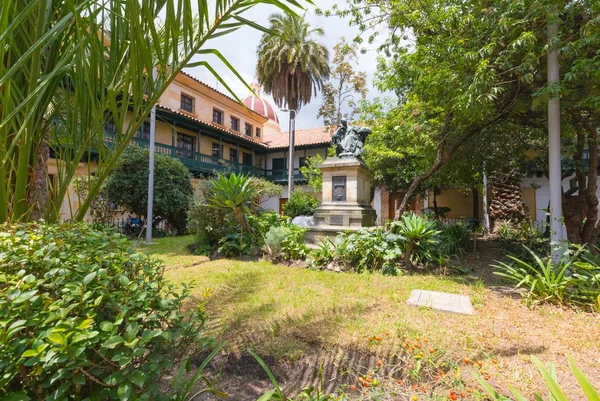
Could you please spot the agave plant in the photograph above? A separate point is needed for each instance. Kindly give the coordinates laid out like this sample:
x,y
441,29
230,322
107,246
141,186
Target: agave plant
x,y
419,234
235,193
68,64
544,280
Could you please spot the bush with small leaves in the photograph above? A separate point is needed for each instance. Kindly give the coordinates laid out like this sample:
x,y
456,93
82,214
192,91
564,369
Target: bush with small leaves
x,y
300,204
81,314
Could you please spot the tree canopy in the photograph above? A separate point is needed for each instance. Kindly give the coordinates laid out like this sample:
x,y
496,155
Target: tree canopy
x,y
127,186
292,66
470,82
341,95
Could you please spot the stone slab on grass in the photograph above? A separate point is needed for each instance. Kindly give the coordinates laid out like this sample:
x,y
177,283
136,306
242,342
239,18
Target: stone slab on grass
x,y
441,301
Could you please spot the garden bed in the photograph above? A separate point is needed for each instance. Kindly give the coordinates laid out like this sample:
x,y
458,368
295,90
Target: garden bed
x,y
296,317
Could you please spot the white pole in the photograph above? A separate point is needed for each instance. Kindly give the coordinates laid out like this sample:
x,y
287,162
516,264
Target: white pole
x,y
291,153
149,217
486,216
555,173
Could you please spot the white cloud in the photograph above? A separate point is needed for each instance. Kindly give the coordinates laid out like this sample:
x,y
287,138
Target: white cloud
x,y
240,49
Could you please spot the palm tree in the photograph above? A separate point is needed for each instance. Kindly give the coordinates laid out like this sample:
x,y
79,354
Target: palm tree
x,y
292,66
65,65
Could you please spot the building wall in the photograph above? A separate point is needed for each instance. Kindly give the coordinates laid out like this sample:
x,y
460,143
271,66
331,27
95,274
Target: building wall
x,y
298,153
205,100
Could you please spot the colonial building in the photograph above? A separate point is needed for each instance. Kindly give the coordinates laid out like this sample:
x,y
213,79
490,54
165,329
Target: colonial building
x,y
210,132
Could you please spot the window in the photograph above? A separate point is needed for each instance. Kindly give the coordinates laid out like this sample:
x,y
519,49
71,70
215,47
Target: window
x,y
279,163
235,124
247,158
257,132
248,129
144,132
217,116
187,103
216,150
185,143
110,126
233,155
302,161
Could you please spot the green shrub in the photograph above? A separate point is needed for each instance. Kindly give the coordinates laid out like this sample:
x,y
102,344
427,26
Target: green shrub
x,y
515,237
373,249
127,185
274,240
287,241
300,204
207,223
80,314
452,239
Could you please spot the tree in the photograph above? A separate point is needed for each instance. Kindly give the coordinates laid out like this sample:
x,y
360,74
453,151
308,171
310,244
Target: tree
x,y
68,64
291,65
127,186
492,79
339,96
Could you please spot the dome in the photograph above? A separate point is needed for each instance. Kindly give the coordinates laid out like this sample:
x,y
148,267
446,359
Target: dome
x,y
261,106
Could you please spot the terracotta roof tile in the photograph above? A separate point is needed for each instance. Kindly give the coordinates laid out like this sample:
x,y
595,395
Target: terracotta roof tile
x,y
215,126
303,137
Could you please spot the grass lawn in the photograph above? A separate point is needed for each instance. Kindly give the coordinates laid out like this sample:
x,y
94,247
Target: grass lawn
x,y
303,317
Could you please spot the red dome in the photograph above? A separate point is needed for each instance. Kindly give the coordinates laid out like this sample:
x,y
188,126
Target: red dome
x,y
261,107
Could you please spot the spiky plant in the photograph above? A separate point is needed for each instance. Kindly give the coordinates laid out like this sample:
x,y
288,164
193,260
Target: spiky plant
x,y
234,193
292,66
65,65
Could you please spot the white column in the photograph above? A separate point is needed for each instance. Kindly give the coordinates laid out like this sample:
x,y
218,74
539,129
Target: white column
x,y
554,137
149,216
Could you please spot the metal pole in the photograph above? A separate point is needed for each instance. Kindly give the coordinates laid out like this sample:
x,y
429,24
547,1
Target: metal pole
x,y
291,154
486,216
149,217
555,173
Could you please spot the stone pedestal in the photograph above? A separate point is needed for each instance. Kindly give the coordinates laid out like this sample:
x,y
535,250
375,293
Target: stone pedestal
x,y
346,199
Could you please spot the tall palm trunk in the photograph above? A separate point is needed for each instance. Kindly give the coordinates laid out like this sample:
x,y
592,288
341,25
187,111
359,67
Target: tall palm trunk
x,y
507,198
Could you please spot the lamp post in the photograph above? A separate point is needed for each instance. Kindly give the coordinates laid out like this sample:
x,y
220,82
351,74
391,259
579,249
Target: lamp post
x,y
149,217
555,176
291,151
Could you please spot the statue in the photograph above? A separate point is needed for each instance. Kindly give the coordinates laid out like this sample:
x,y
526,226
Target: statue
x,y
349,140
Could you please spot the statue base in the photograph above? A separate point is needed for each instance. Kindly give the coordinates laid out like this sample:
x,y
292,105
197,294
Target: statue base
x,y
346,199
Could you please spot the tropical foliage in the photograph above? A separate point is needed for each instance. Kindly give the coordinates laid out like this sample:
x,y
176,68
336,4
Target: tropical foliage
x,y
292,66
300,204
236,194
486,104
419,234
313,173
127,186
83,315
70,66
575,278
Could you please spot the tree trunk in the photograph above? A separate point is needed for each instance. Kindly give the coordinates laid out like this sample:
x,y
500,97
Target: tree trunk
x,y
507,198
39,196
581,210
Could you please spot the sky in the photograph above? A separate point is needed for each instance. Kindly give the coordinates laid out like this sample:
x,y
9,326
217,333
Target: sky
x,y
240,49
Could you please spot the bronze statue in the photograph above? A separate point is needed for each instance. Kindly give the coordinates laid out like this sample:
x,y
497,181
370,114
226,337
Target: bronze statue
x,y
349,140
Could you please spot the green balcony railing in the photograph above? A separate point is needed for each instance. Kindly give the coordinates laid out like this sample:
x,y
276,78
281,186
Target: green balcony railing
x,y
196,161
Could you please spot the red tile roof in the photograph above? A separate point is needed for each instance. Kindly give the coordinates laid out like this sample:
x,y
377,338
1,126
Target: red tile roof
x,y
215,126
303,137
